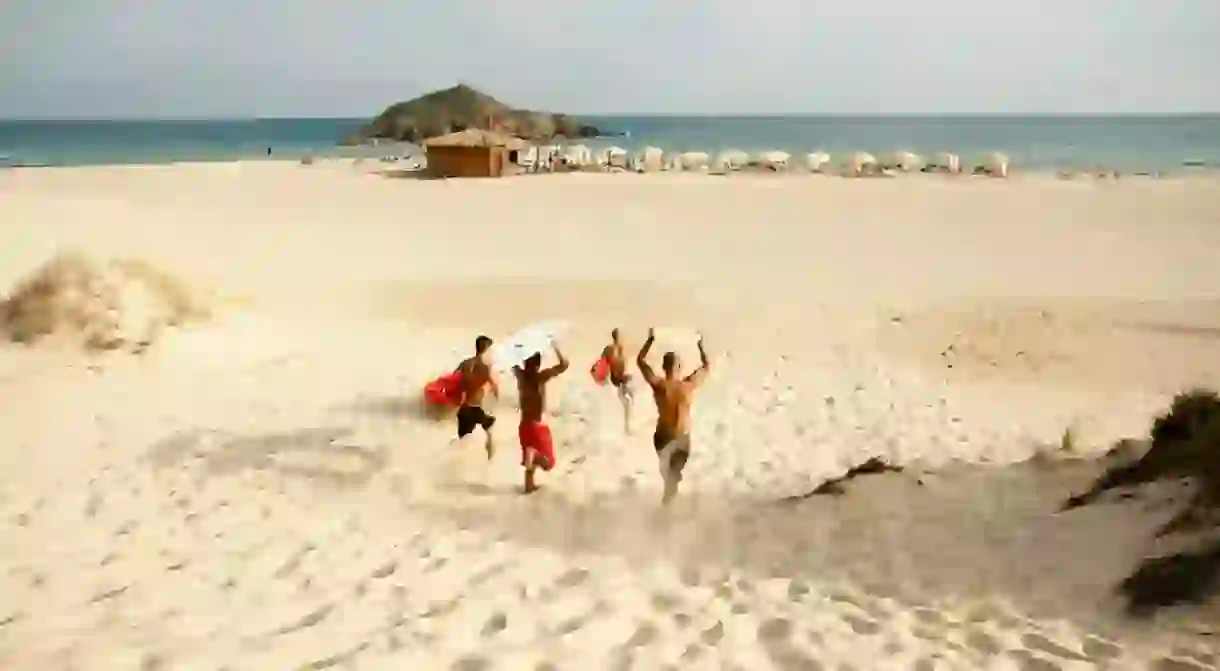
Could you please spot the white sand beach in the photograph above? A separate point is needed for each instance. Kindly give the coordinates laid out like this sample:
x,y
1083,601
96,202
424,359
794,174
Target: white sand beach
x,y
263,491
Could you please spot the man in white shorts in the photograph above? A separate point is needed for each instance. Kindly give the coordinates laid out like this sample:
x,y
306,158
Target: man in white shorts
x,y
673,395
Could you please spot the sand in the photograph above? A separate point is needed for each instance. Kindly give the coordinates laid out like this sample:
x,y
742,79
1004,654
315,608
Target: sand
x,y
264,492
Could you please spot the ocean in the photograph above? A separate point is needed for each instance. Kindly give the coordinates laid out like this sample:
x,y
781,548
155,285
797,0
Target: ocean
x,y
1129,143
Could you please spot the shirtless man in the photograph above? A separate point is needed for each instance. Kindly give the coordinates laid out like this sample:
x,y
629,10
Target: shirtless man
x,y
537,448
476,380
616,357
673,395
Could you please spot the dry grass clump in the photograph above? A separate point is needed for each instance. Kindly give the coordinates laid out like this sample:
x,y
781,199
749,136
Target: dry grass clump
x,y
1185,445
99,306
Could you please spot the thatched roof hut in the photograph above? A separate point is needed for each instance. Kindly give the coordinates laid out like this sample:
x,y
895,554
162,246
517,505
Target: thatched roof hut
x,y
473,152
477,137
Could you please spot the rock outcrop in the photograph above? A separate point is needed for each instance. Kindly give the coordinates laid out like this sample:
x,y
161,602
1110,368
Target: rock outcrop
x,y
461,107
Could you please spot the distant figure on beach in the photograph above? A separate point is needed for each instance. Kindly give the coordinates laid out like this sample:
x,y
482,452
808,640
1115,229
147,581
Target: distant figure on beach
x,y
268,151
477,378
614,360
537,446
673,395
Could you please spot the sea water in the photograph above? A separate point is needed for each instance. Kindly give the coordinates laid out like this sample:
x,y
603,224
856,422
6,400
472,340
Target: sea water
x,y
1129,143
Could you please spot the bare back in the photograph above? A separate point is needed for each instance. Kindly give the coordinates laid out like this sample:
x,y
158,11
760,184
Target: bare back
x,y
531,387
476,378
673,394
673,398
615,356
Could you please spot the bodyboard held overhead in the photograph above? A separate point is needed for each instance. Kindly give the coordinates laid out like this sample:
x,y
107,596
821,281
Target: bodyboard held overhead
x,y
526,342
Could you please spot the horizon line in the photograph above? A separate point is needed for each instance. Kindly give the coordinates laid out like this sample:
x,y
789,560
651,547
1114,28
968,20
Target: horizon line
x,y
651,115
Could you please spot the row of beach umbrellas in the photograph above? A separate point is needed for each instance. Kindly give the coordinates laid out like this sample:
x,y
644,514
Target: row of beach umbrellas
x,y
654,159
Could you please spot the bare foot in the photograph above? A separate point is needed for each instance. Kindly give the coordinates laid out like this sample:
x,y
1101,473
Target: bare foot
x,y
491,450
530,489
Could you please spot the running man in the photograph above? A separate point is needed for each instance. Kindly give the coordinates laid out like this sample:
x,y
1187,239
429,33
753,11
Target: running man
x,y
673,395
537,446
476,380
615,357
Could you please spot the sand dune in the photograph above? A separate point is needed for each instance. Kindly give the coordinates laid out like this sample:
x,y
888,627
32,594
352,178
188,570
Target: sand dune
x,y
264,491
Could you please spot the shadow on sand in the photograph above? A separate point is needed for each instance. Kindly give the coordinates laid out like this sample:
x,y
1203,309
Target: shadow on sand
x,y
972,532
398,408
322,455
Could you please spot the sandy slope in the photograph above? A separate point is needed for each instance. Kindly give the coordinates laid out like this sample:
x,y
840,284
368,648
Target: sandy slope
x,y
264,494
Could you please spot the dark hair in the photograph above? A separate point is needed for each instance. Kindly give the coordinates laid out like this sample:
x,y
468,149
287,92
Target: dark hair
x,y
534,361
481,344
668,361
614,334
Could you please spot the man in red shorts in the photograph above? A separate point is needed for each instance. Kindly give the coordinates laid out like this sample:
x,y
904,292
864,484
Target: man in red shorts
x,y
537,448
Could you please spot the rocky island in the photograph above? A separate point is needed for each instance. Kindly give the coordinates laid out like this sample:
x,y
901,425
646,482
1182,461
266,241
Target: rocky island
x,y
461,107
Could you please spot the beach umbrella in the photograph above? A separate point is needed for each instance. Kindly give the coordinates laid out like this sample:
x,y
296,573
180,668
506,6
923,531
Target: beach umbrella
x,y
948,161
816,161
733,159
694,160
616,157
904,161
774,159
859,163
995,164
652,159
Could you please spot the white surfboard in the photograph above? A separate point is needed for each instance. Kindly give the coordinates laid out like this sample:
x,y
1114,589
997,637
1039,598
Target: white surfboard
x,y
535,338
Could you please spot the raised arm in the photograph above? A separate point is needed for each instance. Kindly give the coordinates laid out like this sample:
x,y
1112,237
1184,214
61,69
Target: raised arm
x,y
558,368
641,360
705,366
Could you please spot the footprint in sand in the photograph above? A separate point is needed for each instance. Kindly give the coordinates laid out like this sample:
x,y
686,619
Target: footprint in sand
x,y
644,635
797,591
570,626
982,642
712,635
788,658
774,630
775,637
1170,664
693,652
1043,644
1099,649
573,578
490,572
1027,661
471,663
861,625
384,571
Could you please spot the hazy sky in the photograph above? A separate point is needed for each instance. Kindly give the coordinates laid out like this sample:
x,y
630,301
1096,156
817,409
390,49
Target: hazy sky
x,y
244,58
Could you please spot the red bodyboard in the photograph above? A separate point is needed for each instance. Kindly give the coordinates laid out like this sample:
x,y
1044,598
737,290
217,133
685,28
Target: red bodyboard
x,y
444,390
600,371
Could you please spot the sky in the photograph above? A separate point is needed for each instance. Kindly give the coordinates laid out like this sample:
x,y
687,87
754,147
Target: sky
x,y
319,58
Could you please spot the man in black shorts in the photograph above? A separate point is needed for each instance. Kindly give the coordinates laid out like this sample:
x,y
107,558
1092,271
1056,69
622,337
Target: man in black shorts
x,y
477,378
